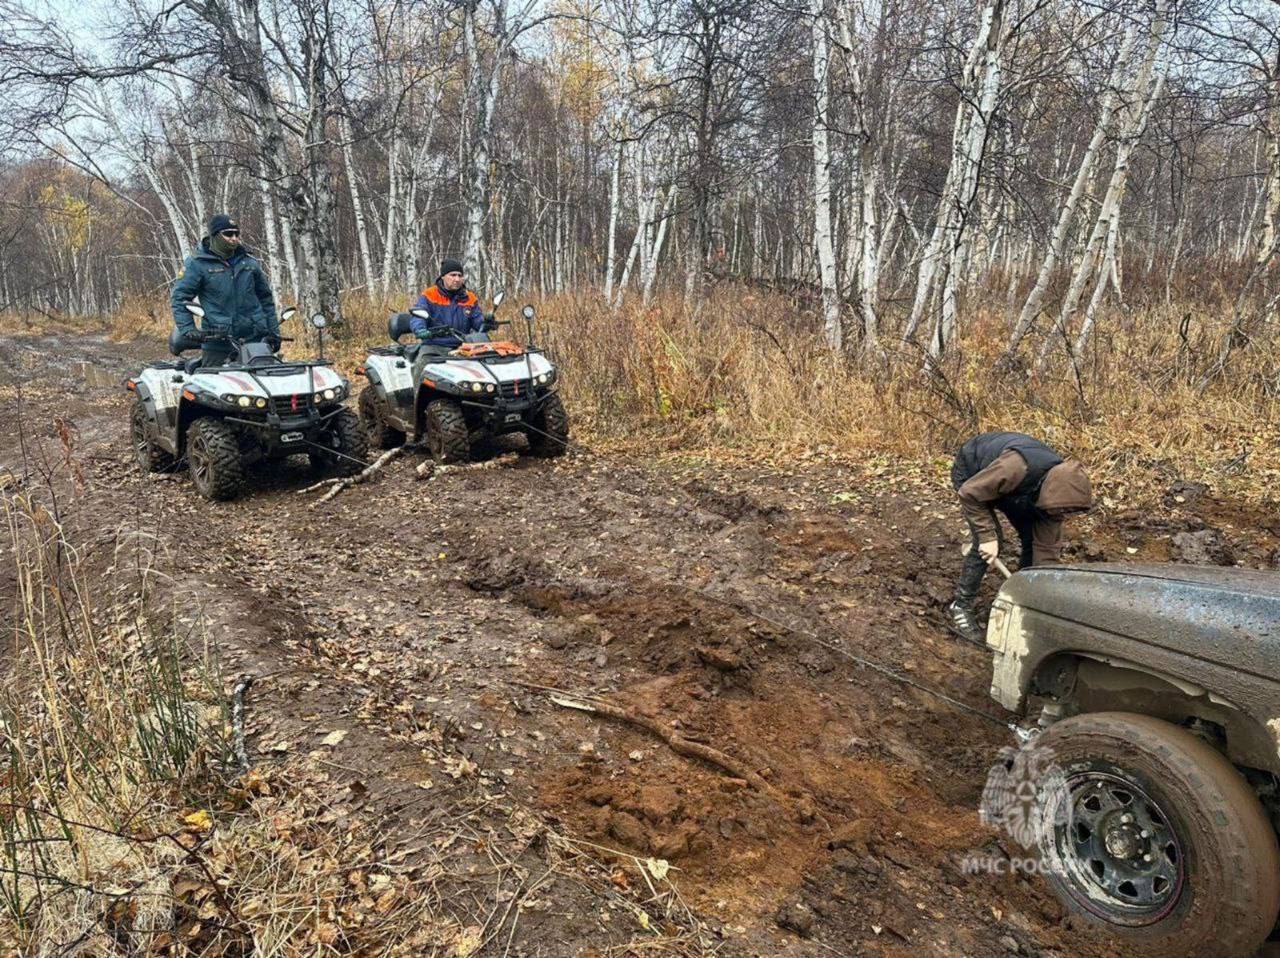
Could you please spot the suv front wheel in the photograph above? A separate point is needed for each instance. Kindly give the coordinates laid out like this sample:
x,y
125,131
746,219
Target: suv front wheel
x,y
1154,835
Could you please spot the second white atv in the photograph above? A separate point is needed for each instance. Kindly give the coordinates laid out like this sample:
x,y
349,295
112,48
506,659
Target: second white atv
x,y
454,397
222,419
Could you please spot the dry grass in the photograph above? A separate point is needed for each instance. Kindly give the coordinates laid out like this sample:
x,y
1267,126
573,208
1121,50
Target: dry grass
x,y
743,374
125,829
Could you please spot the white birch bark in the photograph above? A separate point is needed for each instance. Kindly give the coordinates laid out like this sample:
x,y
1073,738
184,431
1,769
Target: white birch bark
x,y
980,86
1066,215
822,229
1098,261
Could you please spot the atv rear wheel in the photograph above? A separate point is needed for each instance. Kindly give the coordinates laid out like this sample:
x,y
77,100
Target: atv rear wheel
x,y
151,458
213,456
552,424
1155,836
446,431
347,448
381,436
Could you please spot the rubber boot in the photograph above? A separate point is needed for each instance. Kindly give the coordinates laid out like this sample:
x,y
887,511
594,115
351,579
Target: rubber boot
x,y
962,614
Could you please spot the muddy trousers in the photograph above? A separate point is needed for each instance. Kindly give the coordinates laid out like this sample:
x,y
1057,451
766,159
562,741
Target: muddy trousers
x,y
975,567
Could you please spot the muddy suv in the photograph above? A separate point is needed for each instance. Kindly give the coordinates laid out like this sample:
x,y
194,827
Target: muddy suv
x,y
1160,688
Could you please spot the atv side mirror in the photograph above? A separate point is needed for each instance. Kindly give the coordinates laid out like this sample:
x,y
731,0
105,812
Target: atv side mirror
x,y
318,321
420,313
288,313
195,310
497,298
527,312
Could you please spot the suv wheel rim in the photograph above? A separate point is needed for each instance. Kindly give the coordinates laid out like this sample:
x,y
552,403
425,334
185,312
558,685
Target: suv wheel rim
x,y
1117,852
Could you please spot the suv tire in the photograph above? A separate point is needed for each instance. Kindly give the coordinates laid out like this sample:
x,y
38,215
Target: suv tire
x,y
1147,797
213,458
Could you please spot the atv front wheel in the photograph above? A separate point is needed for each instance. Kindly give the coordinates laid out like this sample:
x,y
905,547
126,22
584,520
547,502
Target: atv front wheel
x,y
213,456
551,423
381,436
151,458
1155,836
348,445
446,432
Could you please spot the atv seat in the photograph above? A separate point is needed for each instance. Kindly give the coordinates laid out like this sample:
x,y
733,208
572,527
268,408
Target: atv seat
x,y
398,325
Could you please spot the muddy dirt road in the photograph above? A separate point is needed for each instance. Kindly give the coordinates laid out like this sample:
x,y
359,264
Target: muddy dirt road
x,y
432,620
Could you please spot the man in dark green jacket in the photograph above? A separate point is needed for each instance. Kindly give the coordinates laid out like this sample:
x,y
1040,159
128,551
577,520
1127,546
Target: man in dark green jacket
x,y
232,289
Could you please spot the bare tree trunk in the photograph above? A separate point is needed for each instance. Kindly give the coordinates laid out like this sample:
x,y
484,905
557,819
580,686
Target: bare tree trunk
x,y
611,253
1058,239
822,233
946,249
1098,262
357,207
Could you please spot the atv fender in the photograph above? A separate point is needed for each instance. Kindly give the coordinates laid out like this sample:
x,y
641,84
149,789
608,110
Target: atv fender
x,y
159,416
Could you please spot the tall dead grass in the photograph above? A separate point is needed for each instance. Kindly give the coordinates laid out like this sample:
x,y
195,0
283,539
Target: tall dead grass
x,y
126,827
743,372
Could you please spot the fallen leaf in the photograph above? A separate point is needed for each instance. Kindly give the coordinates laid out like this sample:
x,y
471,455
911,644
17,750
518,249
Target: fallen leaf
x,y
468,942
199,821
658,867
334,738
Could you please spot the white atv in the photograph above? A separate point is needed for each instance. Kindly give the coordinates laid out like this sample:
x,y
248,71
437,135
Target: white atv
x,y
456,396
222,419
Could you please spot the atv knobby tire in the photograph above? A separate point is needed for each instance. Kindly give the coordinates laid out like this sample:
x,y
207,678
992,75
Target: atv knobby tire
x,y
151,458
381,436
551,423
446,431
348,436
1227,900
213,457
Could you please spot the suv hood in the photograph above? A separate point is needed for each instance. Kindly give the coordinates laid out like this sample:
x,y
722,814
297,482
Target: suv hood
x,y
1222,615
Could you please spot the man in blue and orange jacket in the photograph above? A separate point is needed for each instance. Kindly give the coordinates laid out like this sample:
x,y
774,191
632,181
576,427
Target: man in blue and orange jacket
x,y
450,304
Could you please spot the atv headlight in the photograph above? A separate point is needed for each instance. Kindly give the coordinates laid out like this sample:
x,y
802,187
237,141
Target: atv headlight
x,y
542,380
244,402
330,393
476,387
260,403
491,387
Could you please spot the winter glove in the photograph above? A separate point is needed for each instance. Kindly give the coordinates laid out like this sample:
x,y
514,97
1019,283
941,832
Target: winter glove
x,y
490,323
423,335
990,551
273,342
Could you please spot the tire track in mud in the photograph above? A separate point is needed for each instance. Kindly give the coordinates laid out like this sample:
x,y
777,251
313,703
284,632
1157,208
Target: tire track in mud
x,y
424,605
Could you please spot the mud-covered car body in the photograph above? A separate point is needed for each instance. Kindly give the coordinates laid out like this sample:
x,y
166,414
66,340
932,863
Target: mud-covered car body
x,y
1187,644
1160,687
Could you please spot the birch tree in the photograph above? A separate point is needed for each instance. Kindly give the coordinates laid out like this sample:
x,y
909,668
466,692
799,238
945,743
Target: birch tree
x,y
979,90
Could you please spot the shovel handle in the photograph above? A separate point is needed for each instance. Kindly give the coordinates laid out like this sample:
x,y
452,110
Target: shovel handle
x,y
999,563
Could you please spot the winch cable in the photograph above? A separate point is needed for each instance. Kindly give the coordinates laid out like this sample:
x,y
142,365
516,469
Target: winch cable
x,y
329,450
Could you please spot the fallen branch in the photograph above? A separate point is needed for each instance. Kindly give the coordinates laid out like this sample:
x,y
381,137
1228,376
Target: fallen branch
x,y
676,742
429,471
363,476
237,722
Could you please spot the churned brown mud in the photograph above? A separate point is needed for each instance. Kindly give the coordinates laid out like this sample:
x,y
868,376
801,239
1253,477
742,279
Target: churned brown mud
x,y
806,805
